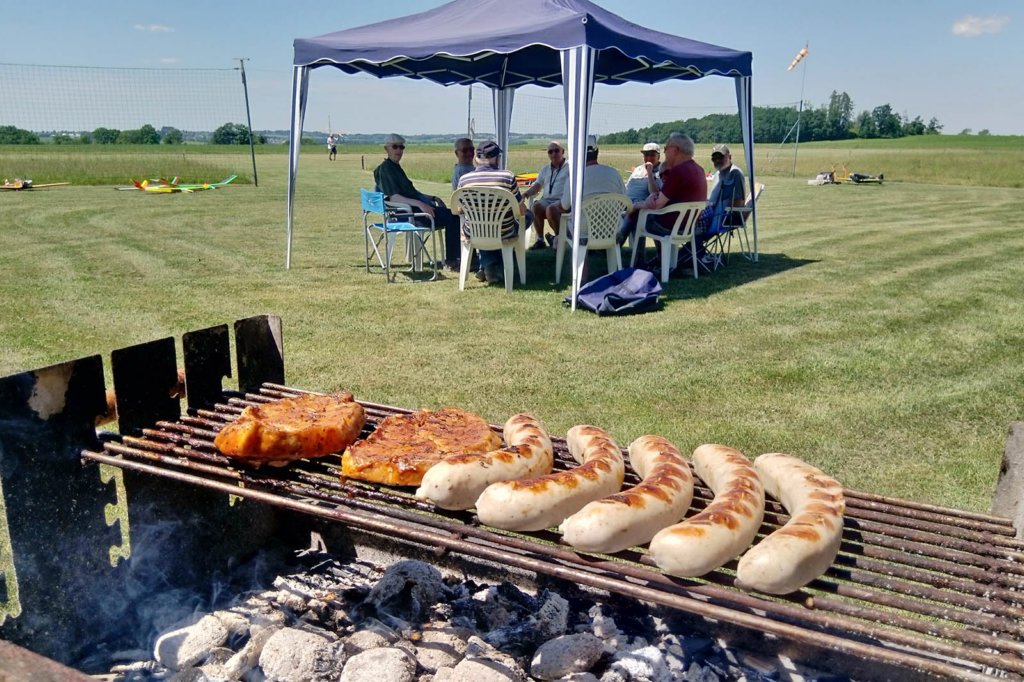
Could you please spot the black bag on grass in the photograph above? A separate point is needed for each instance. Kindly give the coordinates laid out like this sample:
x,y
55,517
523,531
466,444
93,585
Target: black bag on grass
x,y
620,293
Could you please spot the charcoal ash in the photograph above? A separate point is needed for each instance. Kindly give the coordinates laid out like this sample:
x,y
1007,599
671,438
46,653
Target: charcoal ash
x,y
334,621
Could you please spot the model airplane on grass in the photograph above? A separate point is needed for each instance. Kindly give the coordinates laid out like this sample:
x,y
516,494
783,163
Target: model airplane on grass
x,y
18,183
161,186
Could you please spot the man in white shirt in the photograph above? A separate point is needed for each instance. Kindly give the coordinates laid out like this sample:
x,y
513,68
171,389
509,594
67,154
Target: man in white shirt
x,y
597,179
551,180
645,179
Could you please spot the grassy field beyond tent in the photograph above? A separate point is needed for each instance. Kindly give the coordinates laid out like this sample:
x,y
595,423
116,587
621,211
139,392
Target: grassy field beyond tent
x,y
878,336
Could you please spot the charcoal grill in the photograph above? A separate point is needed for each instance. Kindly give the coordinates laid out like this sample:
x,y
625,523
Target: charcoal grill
x,y
918,591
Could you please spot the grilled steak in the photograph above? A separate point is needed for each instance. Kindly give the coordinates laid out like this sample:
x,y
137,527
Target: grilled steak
x,y
404,446
293,428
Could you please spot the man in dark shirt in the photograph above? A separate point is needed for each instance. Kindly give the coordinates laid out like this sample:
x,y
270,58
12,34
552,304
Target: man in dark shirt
x,y
396,186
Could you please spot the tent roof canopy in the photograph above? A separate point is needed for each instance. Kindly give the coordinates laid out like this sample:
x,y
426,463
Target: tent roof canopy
x,y
505,45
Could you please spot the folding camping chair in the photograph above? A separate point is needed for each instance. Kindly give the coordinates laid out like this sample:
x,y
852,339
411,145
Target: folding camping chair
x,y
733,220
383,223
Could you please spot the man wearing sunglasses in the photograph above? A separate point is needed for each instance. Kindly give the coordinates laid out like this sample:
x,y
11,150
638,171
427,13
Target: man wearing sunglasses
x,y
728,191
551,180
398,188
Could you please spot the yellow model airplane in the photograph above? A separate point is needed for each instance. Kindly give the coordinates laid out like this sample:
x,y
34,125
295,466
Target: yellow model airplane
x,y
161,186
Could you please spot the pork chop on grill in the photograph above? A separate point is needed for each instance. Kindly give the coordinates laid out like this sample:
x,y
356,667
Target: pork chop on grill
x,y
305,426
404,446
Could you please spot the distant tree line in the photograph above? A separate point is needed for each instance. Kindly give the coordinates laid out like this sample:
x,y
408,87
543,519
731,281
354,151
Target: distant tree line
x,y
832,121
229,133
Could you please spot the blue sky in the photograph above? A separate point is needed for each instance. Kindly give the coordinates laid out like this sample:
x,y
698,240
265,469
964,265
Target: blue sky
x,y
956,60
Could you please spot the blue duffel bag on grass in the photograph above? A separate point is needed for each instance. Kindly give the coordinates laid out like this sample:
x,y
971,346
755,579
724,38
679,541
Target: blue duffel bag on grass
x,y
622,292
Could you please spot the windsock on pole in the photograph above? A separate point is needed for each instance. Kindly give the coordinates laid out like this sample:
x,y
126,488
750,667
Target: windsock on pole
x,y
798,58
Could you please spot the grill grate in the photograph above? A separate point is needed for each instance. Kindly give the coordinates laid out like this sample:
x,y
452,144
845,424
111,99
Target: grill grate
x,y
916,586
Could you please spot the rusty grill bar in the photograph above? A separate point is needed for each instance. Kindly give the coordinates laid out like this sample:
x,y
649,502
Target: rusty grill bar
x,y
916,586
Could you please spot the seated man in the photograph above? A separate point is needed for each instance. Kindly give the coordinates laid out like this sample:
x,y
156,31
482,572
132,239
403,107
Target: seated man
x,y
551,181
463,160
487,173
597,179
727,192
645,179
682,180
396,186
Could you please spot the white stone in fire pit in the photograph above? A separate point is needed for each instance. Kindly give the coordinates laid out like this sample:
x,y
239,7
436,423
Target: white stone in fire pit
x,y
566,654
187,646
292,655
379,665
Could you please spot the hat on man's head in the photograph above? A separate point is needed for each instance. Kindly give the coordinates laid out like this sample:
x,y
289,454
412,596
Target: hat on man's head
x,y
488,150
592,142
722,149
652,147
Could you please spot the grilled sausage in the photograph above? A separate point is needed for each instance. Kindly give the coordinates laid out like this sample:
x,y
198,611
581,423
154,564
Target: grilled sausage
x,y
456,482
544,501
633,516
806,546
726,527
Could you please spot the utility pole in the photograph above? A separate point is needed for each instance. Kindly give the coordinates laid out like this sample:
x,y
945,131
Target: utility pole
x,y
248,120
469,113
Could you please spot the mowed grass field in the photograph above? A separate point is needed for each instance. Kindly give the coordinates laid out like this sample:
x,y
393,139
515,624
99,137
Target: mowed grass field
x,y
878,337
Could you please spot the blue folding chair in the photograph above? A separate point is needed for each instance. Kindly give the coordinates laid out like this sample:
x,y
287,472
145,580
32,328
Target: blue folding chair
x,y
382,224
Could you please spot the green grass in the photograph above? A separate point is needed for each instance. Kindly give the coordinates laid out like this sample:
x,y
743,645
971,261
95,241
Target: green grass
x,y
120,164
878,337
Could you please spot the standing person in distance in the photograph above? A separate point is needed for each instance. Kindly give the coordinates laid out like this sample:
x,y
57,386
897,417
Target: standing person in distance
x,y
332,146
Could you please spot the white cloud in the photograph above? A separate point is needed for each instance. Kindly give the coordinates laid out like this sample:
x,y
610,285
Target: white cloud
x,y
972,27
154,28
169,60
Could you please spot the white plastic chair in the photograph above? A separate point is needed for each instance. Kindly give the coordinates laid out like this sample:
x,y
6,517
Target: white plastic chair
x,y
681,234
601,214
483,210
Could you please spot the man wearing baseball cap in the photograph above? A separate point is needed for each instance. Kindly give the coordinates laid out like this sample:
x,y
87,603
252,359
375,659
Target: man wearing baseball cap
x,y
728,191
488,173
597,178
645,179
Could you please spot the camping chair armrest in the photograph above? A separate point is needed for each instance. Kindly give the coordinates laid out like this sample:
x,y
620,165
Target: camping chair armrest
x,y
406,210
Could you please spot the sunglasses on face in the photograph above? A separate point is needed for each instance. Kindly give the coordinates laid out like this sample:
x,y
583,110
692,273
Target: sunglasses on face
x,y
554,151
398,146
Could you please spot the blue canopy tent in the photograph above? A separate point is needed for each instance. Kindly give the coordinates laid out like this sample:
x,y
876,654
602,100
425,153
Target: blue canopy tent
x,y
572,43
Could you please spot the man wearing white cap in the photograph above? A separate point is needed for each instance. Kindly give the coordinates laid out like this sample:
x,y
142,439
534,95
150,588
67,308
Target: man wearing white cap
x,y
645,179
